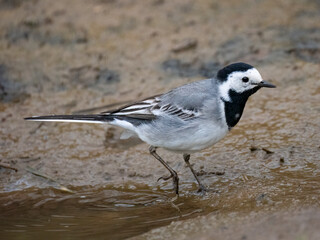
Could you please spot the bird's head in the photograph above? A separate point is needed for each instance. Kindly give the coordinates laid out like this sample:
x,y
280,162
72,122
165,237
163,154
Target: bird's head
x,y
240,78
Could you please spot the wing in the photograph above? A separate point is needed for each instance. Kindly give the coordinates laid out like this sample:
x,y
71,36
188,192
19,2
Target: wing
x,y
185,103
150,109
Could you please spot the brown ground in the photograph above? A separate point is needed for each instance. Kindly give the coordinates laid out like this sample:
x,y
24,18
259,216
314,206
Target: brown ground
x,y
64,56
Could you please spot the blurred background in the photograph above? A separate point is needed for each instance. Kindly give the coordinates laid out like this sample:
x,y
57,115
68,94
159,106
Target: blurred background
x,y
79,181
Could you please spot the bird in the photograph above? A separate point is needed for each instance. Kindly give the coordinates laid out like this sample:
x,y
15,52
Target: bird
x,y
186,119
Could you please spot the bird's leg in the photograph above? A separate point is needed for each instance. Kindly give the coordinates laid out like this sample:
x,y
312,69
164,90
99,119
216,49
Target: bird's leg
x,y
186,158
173,174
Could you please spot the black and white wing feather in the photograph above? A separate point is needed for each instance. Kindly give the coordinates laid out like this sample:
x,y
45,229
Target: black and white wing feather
x,y
151,108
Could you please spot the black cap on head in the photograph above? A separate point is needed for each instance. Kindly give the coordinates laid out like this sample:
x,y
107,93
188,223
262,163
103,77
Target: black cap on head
x,y
234,67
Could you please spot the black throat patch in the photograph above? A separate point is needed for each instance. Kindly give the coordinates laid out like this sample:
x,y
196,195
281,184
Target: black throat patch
x,y
234,109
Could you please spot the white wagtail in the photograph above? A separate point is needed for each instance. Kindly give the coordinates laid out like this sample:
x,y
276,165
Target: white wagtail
x,y
186,119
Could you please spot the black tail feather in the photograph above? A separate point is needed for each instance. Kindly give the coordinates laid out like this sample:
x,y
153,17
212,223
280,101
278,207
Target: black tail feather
x,y
93,117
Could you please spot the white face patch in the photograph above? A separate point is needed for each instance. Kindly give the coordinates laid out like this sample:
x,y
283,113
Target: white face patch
x,y
235,82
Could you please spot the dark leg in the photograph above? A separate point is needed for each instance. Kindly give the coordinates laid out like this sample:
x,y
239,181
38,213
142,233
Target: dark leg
x,y
173,175
186,158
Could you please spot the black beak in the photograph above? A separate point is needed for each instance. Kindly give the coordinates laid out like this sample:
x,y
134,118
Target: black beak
x,y
264,84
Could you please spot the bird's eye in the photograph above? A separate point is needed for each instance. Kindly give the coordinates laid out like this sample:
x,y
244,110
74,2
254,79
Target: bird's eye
x,y
245,79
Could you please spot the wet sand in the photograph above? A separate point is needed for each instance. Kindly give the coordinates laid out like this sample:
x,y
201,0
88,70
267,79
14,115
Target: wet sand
x,y
61,58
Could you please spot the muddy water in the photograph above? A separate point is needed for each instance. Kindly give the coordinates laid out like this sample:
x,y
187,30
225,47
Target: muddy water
x,y
90,213
110,213
62,58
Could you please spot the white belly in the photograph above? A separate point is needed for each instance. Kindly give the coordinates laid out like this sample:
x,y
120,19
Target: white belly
x,y
186,141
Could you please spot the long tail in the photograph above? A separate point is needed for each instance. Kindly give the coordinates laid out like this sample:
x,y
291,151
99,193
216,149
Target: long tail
x,y
94,118
121,121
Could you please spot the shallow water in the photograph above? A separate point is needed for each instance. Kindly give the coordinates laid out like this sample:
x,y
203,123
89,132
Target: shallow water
x,y
112,213
102,213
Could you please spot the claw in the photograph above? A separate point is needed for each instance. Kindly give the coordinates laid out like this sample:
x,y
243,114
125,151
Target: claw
x,y
165,178
175,180
202,189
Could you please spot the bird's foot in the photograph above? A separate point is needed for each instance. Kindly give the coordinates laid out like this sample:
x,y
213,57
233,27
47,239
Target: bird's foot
x,y
175,180
202,189
165,178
